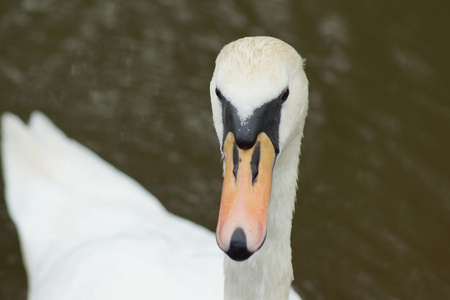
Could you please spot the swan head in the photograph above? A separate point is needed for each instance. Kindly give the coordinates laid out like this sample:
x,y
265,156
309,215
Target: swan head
x,y
259,97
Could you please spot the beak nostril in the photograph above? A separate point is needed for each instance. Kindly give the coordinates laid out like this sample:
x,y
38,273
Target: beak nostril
x,y
235,161
255,162
238,246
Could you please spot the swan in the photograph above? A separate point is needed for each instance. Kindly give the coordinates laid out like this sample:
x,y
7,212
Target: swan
x,y
88,231
259,98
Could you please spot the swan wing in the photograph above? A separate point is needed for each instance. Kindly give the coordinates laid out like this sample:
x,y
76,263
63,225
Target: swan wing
x,y
88,231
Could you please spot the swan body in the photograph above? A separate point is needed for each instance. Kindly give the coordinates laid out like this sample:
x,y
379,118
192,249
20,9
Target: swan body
x,y
88,231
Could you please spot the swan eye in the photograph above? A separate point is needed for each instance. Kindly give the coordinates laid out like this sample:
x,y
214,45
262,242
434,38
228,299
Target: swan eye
x,y
284,95
219,95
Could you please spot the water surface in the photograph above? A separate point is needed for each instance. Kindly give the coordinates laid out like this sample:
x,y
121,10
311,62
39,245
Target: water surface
x,y
129,79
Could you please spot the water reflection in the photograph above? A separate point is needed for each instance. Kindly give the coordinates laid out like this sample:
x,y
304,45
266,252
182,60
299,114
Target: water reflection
x,y
130,80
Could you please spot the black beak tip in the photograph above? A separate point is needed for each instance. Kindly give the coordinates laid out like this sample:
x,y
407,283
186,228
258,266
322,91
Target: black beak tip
x,y
238,246
239,254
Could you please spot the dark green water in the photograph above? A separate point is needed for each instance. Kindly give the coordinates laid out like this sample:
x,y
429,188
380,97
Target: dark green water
x,y
129,79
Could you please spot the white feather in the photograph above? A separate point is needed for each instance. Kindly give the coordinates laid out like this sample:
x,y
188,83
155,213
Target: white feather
x,y
88,231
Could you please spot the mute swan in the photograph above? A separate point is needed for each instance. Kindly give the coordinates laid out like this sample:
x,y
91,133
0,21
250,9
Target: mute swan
x,y
88,231
259,97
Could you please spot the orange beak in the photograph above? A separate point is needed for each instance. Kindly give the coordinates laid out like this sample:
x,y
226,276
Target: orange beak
x,y
241,229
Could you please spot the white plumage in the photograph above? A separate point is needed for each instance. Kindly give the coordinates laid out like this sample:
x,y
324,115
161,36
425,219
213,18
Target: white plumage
x,y
88,231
